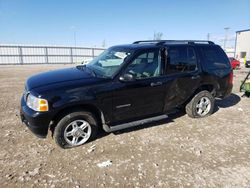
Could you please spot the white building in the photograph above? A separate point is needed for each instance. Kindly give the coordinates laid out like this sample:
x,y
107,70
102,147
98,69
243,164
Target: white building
x,y
242,45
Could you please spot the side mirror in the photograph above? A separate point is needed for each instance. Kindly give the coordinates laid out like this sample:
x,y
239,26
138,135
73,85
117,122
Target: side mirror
x,y
127,77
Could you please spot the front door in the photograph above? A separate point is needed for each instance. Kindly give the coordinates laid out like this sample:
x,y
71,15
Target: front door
x,y
143,97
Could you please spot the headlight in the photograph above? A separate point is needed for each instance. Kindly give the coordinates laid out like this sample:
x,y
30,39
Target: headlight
x,y
37,104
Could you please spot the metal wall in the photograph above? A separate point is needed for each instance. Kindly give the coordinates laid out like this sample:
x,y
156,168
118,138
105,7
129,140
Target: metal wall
x,y
10,54
242,45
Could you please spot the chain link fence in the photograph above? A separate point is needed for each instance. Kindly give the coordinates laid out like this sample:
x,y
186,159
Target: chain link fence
x,y
18,55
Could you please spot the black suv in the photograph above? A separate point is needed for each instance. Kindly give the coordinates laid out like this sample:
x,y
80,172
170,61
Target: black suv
x,y
127,85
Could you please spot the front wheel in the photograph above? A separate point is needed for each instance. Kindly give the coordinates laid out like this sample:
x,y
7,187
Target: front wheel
x,y
75,129
201,105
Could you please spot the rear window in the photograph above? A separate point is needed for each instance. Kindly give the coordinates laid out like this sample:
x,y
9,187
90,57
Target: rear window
x,y
215,58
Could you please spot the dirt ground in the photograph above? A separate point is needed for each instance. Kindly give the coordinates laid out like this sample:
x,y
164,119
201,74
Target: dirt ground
x,y
178,152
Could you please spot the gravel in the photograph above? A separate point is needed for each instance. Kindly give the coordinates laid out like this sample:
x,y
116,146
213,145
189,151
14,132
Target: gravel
x,y
178,152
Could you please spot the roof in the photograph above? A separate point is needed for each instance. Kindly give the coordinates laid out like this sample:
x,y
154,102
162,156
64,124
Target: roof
x,y
135,46
161,42
245,30
156,43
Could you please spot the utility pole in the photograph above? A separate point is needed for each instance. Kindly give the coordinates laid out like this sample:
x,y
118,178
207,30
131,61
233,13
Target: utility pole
x,y
208,36
75,37
104,43
226,36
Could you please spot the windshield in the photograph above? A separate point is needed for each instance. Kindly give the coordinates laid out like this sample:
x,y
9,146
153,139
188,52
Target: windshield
x,y
108,63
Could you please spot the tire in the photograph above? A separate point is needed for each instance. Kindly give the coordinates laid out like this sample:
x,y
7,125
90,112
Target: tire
x,y
75,129
201,105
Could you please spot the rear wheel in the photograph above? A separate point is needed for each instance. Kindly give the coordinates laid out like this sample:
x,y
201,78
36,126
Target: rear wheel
x,y
201,105
75,129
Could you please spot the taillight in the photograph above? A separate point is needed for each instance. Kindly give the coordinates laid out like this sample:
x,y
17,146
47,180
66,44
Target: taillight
x,y
231,75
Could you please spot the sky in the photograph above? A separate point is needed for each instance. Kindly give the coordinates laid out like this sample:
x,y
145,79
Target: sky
x,y
91,22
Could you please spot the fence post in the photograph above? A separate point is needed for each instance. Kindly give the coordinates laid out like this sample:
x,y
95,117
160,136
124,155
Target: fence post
x,y
20,53
46,55
71,55
93,53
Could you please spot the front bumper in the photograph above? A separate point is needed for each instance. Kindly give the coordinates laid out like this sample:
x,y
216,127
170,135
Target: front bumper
x,y
37,122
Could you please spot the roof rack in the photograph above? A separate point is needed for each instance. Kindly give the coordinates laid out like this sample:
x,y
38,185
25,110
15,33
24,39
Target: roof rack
x,y
147,41
160,42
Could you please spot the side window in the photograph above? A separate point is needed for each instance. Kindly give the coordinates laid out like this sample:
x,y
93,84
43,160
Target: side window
x,y
145,65
181,59
215,58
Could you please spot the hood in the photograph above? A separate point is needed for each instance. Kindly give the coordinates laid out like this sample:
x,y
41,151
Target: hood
x,y
57,76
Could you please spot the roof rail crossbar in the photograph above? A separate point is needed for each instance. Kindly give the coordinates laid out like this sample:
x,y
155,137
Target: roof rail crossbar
x,y
200,41
147,41
160,42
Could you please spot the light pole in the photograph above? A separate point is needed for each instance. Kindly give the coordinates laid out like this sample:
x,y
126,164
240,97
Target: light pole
x,y
225,39
75,37
73,28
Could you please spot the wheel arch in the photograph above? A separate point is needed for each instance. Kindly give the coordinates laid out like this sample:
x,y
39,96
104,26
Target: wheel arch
x,y
208,87
82,107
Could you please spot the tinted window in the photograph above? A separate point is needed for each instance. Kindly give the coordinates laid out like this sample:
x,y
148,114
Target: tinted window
x,y
181,59
215,58
145,65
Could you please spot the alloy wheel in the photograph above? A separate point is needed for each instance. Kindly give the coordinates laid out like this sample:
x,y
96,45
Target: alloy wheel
x,y
203,106
77,132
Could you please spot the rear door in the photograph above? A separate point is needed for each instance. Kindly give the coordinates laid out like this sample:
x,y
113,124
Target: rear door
x,y
182,68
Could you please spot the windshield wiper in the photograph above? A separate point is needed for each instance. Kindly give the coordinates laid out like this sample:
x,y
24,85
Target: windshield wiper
x,y
85,67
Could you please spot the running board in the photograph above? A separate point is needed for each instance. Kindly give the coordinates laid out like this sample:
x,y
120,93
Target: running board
x,y
133,123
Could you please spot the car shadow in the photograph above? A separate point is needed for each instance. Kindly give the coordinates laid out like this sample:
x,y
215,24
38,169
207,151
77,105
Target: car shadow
x,y
227,102
173,115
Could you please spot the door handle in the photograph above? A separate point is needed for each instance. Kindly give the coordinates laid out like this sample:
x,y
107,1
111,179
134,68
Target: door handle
x,y
155,84
195,77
